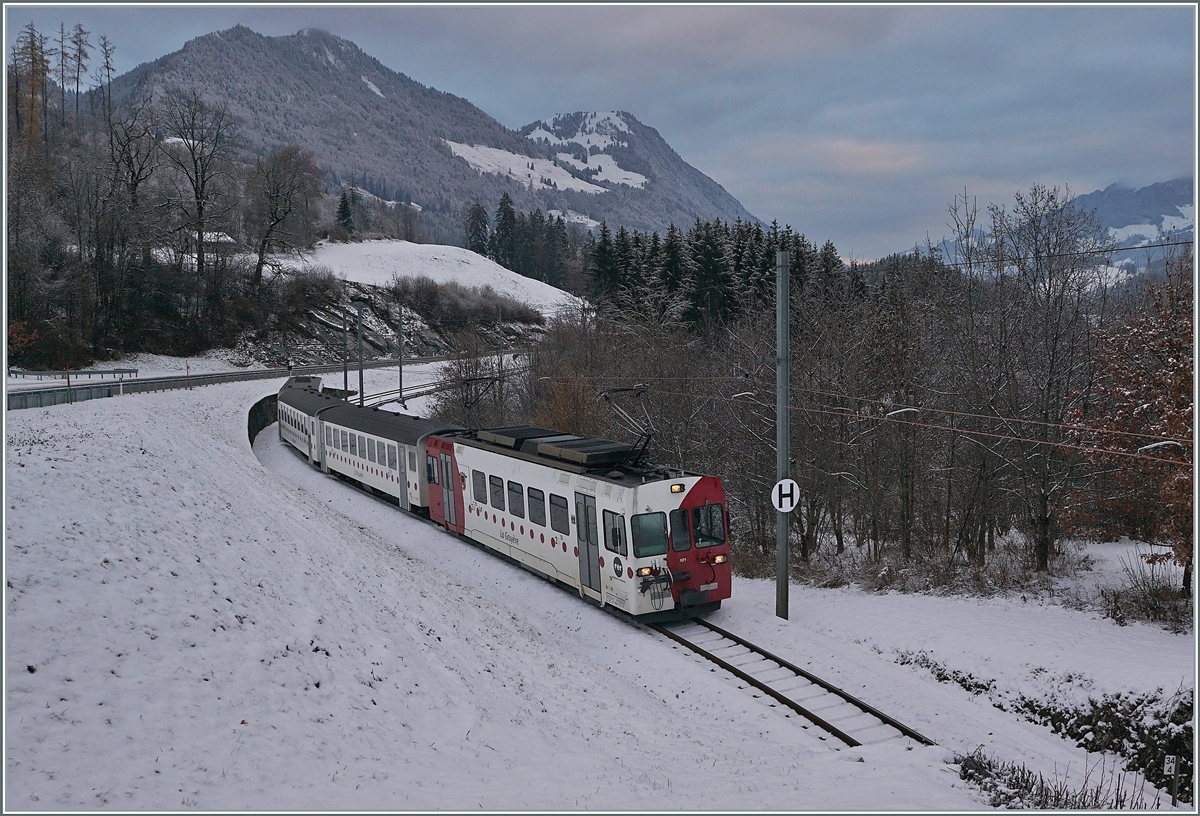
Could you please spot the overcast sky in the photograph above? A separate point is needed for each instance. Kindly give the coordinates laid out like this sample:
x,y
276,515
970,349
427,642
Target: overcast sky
x,y
851,123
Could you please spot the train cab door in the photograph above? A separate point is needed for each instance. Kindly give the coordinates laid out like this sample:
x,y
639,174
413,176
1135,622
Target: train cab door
x,y
588,538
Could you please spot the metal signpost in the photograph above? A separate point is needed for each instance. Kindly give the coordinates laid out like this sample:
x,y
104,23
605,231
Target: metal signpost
x,y
1171,771
782,428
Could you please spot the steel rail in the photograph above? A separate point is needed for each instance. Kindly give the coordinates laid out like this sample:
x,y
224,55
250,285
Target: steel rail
x,y
799,672
867,707
758,684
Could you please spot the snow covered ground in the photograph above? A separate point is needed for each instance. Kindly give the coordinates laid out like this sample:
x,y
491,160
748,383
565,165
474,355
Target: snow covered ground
x,y
195,623
377,262
147,365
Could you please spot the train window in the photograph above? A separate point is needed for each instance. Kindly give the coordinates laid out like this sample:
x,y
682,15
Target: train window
x,y
709,524
537,506
614,533
345,444
353,444
516,499
431,466
681,540
391,457
479,485
362,447
328,437
560,515
371,449
649,533
497,485
412,461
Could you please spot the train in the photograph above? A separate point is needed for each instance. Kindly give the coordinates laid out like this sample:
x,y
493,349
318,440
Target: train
x,y
586,513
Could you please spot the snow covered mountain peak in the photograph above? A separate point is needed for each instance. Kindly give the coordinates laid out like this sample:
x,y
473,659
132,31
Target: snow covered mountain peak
x,y
587,128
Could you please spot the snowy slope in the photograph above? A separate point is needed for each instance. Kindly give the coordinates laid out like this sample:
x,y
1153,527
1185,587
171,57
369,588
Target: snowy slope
x,y
191,623
377,262
541,174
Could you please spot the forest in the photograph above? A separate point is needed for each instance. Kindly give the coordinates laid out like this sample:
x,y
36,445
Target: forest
x,y
955,421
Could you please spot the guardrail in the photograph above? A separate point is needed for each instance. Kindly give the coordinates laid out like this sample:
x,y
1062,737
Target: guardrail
x,y
66,375
45,397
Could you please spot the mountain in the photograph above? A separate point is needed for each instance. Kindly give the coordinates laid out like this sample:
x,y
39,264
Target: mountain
x,y
1152,214
405,141
640,167
1135,218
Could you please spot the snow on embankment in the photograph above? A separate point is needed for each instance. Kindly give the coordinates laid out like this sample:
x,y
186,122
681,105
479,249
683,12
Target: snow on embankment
x,y
377,262
188,628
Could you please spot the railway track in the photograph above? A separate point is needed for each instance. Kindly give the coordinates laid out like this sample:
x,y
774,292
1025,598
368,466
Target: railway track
x,y
843,716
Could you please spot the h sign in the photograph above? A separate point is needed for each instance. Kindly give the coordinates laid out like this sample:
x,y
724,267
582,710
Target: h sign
x,y
785,495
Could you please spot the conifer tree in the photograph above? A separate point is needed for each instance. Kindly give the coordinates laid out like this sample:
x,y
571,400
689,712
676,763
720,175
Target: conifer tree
x,y
345,214
604,281
502,246
477,228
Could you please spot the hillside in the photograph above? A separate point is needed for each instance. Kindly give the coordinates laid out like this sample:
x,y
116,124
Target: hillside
x,y
1136,216
408,142
376,262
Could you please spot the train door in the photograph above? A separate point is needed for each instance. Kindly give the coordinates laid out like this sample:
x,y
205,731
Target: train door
x,y
588,537
448,482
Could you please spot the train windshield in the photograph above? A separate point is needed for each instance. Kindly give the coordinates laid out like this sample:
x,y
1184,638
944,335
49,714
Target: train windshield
x,y
708,522
649,534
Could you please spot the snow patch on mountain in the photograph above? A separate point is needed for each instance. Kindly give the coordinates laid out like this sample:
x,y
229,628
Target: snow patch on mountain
x,y
596,129
572,217
537,174
606,170
373,88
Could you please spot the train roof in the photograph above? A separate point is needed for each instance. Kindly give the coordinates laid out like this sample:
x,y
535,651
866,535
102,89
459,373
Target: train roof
x,y
396,427
598,458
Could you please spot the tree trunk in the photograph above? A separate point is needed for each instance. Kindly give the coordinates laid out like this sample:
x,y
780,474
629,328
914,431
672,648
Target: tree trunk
x,y
1042,533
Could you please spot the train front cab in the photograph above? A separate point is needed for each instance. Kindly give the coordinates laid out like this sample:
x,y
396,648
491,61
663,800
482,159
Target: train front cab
x,y
681,552
699,547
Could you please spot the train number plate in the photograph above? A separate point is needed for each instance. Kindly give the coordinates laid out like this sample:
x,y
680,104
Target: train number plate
x,y
707,587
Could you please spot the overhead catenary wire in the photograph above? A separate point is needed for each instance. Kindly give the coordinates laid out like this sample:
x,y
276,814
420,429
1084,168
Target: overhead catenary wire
x,y
987,259
932,409
903,420
964,431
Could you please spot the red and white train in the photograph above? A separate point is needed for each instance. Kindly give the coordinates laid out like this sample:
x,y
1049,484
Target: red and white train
x,y
650,542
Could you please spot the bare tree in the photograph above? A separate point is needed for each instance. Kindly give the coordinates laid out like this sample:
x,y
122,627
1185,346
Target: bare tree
x,y
198,143
1044,300
280,191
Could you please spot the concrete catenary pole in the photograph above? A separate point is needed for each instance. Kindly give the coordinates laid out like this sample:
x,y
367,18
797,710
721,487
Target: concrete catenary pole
x,y
400,352
345,361
782,424
358,305
500,362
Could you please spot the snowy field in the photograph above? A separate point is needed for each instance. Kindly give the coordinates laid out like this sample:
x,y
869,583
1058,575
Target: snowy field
x,y
193,623
377,262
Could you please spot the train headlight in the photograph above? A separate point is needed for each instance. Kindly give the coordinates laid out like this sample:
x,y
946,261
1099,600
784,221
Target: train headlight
x,y
643,572
720,559
677,487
